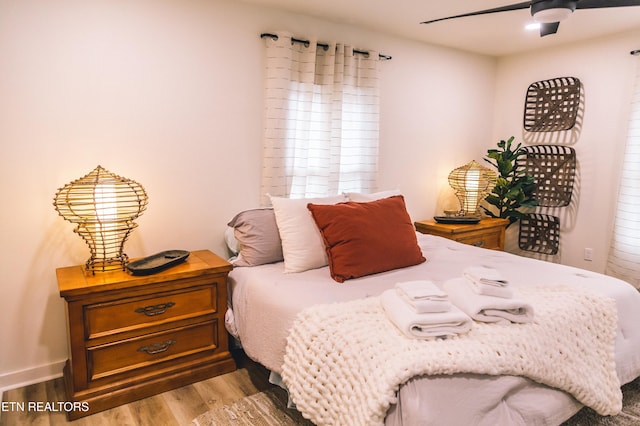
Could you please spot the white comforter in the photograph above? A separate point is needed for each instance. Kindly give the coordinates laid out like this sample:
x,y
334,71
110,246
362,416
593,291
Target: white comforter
x,y
266,301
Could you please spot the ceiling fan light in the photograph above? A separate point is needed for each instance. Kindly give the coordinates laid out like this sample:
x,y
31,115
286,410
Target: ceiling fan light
x,y
557,14
532,26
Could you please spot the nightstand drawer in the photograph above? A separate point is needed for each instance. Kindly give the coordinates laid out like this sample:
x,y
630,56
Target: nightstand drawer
x,y
490,240
148,350
488,233
132,313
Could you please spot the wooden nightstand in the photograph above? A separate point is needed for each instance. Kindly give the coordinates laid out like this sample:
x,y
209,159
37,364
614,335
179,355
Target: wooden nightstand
x,y
131,337
488,233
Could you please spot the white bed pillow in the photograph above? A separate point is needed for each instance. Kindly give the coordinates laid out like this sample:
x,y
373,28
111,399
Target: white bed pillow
x,y
363,198
302,244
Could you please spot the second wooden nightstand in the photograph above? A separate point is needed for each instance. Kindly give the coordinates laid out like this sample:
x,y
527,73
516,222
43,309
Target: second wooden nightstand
x,y
488,233
131,337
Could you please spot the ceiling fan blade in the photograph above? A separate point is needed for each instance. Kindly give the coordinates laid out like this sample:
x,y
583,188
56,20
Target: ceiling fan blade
x,y
549,28
600,4
517,6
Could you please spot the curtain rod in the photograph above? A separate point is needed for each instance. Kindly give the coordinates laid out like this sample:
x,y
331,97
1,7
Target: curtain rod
x,y
635,52
324,46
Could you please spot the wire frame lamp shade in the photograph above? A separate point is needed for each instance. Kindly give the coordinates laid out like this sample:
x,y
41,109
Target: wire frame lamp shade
x,y
471,182
103,206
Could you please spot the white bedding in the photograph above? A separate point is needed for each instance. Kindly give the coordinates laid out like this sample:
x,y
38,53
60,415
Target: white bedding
x,y
266,301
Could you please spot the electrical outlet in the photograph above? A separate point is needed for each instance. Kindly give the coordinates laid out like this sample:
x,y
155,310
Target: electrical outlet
x,y
588,254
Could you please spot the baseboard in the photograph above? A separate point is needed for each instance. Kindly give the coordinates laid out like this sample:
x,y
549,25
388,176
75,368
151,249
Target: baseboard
x,y
29,376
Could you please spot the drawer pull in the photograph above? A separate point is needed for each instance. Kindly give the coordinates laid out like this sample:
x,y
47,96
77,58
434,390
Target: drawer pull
x,y
478,243
157,348
153,310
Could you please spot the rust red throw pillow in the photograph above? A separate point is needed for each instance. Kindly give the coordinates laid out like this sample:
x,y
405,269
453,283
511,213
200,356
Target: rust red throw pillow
x,y
367,238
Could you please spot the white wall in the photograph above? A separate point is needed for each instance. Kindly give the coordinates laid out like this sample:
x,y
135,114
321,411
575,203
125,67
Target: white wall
x,y
605,68
169,93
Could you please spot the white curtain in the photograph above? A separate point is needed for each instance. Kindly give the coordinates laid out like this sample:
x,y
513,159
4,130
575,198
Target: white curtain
x,y
321,119
624,255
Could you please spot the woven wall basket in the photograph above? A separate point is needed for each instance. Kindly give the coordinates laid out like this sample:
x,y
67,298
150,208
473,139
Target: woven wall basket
x,y
554,170
552,105
539,233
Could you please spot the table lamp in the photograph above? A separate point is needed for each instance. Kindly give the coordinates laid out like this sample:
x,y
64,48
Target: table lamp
x,y
103,206
471,182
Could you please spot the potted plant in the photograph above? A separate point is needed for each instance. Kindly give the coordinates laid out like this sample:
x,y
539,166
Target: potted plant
x,y
514,188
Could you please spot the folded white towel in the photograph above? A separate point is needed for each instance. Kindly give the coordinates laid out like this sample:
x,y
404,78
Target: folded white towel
x,y
422,326
421,290
425,306
487,281
490,290
423,296
485,275
487,308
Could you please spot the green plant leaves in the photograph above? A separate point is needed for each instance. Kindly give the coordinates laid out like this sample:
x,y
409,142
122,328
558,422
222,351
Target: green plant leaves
x,y
513,188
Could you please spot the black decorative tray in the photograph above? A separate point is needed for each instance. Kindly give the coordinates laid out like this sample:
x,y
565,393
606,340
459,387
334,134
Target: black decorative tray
x,y
456,219
157,262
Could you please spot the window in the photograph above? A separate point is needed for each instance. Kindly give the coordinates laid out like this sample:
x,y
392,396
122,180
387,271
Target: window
x,y
624,255
321,119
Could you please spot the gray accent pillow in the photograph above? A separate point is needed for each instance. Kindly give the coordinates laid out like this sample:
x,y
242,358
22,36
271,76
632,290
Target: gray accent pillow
x,y
258,238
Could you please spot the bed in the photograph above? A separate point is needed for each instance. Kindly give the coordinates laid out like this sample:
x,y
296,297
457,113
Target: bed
x,y
266,299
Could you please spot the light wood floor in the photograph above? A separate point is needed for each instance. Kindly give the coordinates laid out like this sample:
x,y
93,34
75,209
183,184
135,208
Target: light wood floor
x,y
177,407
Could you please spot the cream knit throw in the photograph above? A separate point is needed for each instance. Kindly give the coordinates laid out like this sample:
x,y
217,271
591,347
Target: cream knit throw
x,y
344,362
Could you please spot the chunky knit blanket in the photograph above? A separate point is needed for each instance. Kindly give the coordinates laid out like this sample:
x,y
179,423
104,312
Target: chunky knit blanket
x,y
344,362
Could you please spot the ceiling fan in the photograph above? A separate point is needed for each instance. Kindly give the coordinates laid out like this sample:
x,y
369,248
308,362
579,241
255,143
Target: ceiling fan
x,y
549,13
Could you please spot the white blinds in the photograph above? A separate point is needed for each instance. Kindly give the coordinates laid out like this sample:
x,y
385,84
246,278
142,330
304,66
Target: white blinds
x,y
624,255
321,119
